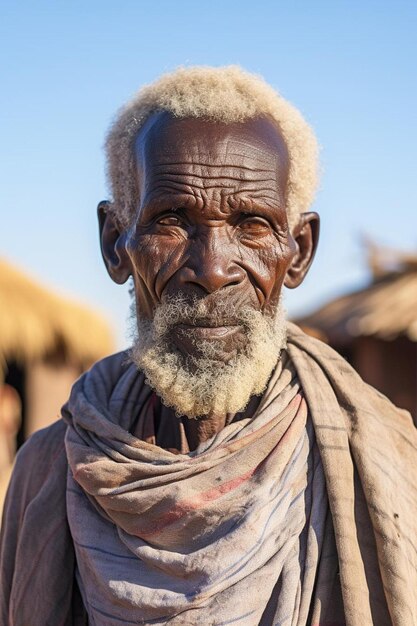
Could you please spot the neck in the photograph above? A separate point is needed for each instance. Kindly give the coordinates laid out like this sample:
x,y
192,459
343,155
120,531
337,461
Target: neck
x,y
199,430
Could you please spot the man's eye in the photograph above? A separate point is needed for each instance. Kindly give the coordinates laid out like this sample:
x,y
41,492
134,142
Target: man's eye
x,y
254,226
169,220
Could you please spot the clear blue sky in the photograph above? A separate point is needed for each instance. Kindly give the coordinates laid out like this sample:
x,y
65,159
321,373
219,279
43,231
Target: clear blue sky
x,y
66,66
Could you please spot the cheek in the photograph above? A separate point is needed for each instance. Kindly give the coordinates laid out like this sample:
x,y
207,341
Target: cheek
x,y
155,259
266,266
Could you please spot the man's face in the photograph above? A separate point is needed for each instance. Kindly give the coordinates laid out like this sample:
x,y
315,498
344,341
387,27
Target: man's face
x,y
210,223
209,249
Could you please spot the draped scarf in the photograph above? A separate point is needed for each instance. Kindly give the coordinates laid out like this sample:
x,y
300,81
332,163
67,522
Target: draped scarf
x,y
229,533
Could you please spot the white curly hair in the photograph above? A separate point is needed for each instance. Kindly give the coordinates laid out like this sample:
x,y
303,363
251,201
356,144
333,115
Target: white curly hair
x,y
223,94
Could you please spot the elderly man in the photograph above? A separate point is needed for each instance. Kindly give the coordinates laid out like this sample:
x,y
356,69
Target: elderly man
x,y
228,469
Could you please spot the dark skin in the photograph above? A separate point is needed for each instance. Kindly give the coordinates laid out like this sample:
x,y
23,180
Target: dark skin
x,y
210,223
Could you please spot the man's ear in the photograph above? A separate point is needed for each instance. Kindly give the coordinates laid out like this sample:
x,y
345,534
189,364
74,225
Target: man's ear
x,y
306,236
112,243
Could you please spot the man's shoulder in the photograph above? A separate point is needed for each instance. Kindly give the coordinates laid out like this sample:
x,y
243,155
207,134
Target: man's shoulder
x,y
40,458
44,444
35,512
358,399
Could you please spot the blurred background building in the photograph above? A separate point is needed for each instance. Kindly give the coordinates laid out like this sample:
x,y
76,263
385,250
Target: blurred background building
x,y
46,342
375,328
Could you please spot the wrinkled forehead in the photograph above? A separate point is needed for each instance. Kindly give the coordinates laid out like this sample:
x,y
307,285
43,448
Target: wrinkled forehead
x,y
253,144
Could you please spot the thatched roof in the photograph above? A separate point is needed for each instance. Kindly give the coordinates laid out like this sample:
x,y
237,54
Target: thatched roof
x,y
386,309
35,322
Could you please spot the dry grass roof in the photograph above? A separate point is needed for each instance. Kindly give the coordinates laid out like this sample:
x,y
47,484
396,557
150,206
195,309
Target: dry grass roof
x,y
35,323
386,309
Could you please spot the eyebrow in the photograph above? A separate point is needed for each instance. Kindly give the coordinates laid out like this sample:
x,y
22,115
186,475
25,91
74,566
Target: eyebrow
x,y
161,202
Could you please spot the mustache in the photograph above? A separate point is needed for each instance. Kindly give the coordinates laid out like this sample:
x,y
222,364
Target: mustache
x,y
209,311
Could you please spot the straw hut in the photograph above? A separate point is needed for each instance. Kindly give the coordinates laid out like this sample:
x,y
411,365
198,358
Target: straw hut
x,y
46,341
375,328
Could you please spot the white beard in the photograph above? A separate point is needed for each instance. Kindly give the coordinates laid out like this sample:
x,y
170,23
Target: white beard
x,y
207,385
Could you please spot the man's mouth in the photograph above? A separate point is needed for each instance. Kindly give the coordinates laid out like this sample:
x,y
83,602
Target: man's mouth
x,y
193,339
205,331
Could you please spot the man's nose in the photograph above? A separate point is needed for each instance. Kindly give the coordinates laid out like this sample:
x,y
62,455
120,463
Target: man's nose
x,y
211,264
